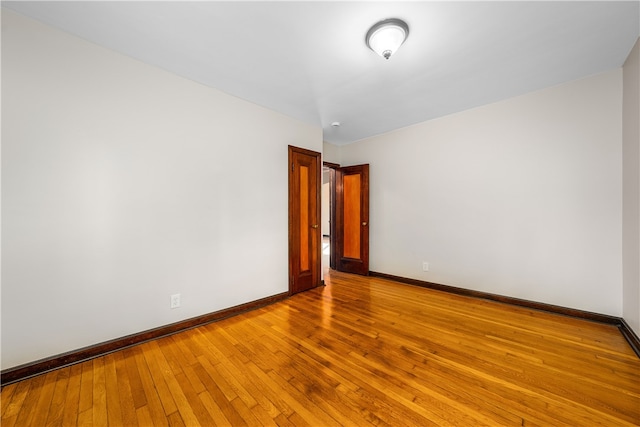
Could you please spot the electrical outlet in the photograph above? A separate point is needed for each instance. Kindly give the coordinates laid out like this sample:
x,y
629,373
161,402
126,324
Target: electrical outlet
x,y
425,266
175,300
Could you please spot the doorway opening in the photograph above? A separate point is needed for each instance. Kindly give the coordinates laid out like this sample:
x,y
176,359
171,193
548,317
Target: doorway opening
x,y
328,217
325,219
342,236
345,215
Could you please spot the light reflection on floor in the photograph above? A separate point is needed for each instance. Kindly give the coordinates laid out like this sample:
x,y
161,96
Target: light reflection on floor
x,y
326,250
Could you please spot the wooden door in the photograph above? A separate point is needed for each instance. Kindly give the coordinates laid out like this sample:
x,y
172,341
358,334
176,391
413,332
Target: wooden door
x,y
352,219
304,219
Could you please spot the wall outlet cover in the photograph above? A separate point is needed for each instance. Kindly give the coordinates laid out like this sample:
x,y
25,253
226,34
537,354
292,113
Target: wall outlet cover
x,y
175,300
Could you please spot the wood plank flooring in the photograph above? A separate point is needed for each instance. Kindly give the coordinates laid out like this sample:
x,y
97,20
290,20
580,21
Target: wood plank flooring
x,y
360,351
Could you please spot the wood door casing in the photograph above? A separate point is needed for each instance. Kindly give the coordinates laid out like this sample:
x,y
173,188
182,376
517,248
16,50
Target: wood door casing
x,y
352,217
304,219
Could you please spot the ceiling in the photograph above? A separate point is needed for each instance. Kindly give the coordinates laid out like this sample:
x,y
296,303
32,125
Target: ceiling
x,y
309,60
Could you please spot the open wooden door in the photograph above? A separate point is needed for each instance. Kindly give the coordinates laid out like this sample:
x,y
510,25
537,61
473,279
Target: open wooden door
x,y
304,219
352,219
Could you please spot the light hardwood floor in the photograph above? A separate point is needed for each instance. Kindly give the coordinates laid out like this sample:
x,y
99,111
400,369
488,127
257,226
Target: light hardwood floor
x,y
360,351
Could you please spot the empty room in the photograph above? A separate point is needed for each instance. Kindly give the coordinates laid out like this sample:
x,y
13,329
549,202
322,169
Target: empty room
x,y
320,213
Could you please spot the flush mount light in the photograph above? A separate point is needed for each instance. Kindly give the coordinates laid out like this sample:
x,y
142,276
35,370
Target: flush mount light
x,y
385,37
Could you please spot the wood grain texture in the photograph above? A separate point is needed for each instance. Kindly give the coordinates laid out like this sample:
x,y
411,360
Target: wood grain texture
x,y
360,351
630,335
351,216
303,210
27,370
620,323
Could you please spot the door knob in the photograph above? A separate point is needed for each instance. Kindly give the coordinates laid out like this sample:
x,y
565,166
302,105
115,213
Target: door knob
x,y
364,223
314,226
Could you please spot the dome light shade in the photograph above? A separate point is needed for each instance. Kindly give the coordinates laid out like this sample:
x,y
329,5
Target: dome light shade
x,y
385,37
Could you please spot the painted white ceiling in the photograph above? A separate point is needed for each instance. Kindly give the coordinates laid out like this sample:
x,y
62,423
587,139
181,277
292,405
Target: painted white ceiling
x,y
309,60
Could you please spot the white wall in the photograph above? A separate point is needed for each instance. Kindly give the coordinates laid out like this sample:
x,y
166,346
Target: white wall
x,y
631,189
330,153
326,205
519,198
123,184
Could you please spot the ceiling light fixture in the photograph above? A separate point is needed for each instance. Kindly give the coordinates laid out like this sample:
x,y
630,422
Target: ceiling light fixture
x,y
385,37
